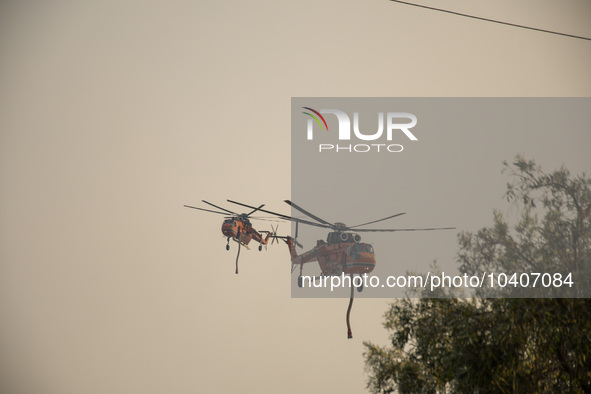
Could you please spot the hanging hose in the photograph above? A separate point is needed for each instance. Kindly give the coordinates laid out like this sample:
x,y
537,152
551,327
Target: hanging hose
x,y
349,332
238,255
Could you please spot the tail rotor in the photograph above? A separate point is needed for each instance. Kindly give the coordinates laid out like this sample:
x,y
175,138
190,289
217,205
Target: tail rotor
x,y
274,234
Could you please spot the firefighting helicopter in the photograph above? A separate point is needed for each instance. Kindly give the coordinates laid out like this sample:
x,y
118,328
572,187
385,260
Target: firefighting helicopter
x,y
341,253
239,228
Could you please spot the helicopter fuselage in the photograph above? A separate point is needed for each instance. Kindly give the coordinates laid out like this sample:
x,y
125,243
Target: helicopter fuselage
x,y
341,254
240,230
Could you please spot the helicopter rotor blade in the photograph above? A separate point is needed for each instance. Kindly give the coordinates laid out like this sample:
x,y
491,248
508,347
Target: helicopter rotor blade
x,y
206,210
402,229
256,209
285,217
262,210
223,209
271,219
298,220
302,210
379,220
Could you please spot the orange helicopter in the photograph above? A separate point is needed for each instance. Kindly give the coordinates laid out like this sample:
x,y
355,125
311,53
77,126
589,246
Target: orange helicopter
x,y
239,229
342,252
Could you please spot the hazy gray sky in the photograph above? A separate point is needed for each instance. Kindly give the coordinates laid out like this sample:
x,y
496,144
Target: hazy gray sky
x,y
115,114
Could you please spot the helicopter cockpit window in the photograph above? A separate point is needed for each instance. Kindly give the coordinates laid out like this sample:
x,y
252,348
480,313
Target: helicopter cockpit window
x,y
363,248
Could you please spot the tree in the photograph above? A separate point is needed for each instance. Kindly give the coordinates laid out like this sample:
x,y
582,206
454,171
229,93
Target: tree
x,y
503,344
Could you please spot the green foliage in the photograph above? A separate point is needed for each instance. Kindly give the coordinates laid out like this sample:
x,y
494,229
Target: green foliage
x,y
502,345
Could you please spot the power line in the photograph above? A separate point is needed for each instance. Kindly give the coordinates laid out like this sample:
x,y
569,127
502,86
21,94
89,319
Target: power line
x,y
492,20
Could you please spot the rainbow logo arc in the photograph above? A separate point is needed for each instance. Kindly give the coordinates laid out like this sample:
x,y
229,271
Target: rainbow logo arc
x,y
315,118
